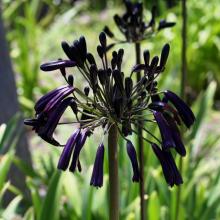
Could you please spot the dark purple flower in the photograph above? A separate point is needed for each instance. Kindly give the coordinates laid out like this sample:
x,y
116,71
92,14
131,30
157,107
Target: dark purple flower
x,y
67,151
58,64
46,123
51,99
97,173
183,109
165,24
179,146
76,52
133,158
166,135
164,55
169,168
79,145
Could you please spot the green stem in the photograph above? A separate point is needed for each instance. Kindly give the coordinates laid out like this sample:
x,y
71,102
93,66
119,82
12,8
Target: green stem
x,y
182,89
184,49
140,144
113,173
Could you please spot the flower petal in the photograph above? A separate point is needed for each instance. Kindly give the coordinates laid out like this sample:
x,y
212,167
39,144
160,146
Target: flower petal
x,y
67,151
97,173
58,64
184,111
133,158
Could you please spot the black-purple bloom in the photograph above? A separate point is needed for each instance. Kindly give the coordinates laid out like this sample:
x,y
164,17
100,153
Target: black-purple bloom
x,y
169,168
133,158
133,26
165,24
67,151
97,173
79,145
58,64
165,131
185,112
51,99
108,99
46,122
179,146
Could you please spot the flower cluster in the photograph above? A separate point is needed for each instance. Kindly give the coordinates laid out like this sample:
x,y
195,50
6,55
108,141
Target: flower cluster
x,y
133,26
112,98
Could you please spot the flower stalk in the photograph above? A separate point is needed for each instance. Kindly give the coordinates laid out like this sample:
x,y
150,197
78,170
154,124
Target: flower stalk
x,y
113,173
182,87
140,142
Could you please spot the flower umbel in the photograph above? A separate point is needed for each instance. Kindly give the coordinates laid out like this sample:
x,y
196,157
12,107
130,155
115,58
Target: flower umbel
x,y
112,98
132,24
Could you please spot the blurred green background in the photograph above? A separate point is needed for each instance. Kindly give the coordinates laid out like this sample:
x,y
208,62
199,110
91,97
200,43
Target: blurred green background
x,y
34,30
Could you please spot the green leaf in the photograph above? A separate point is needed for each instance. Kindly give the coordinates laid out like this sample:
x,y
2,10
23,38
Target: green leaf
x,y
203,106
51,203
5,163
25,168
36,200
29,214
11,133
2,131
87,203
3,190
73,192
10,211
154,207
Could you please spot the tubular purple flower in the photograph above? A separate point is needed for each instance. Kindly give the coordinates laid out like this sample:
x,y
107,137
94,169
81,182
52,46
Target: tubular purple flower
x,y
133,158
179,146
58,64
38,124
97,173
183,109
46,128
164,24
166,135
169,168
51,99
79,145
67,151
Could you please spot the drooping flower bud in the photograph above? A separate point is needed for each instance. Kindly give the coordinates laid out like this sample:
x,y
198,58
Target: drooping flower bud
x,y
97,173
185,112
79,145
67,151
133,157
168,164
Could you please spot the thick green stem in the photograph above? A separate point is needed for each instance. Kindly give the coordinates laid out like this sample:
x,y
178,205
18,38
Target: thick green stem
x,y
113,174
140,144
182,88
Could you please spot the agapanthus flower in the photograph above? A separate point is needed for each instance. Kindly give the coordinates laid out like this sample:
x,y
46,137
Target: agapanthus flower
x,y
112,98
133,25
